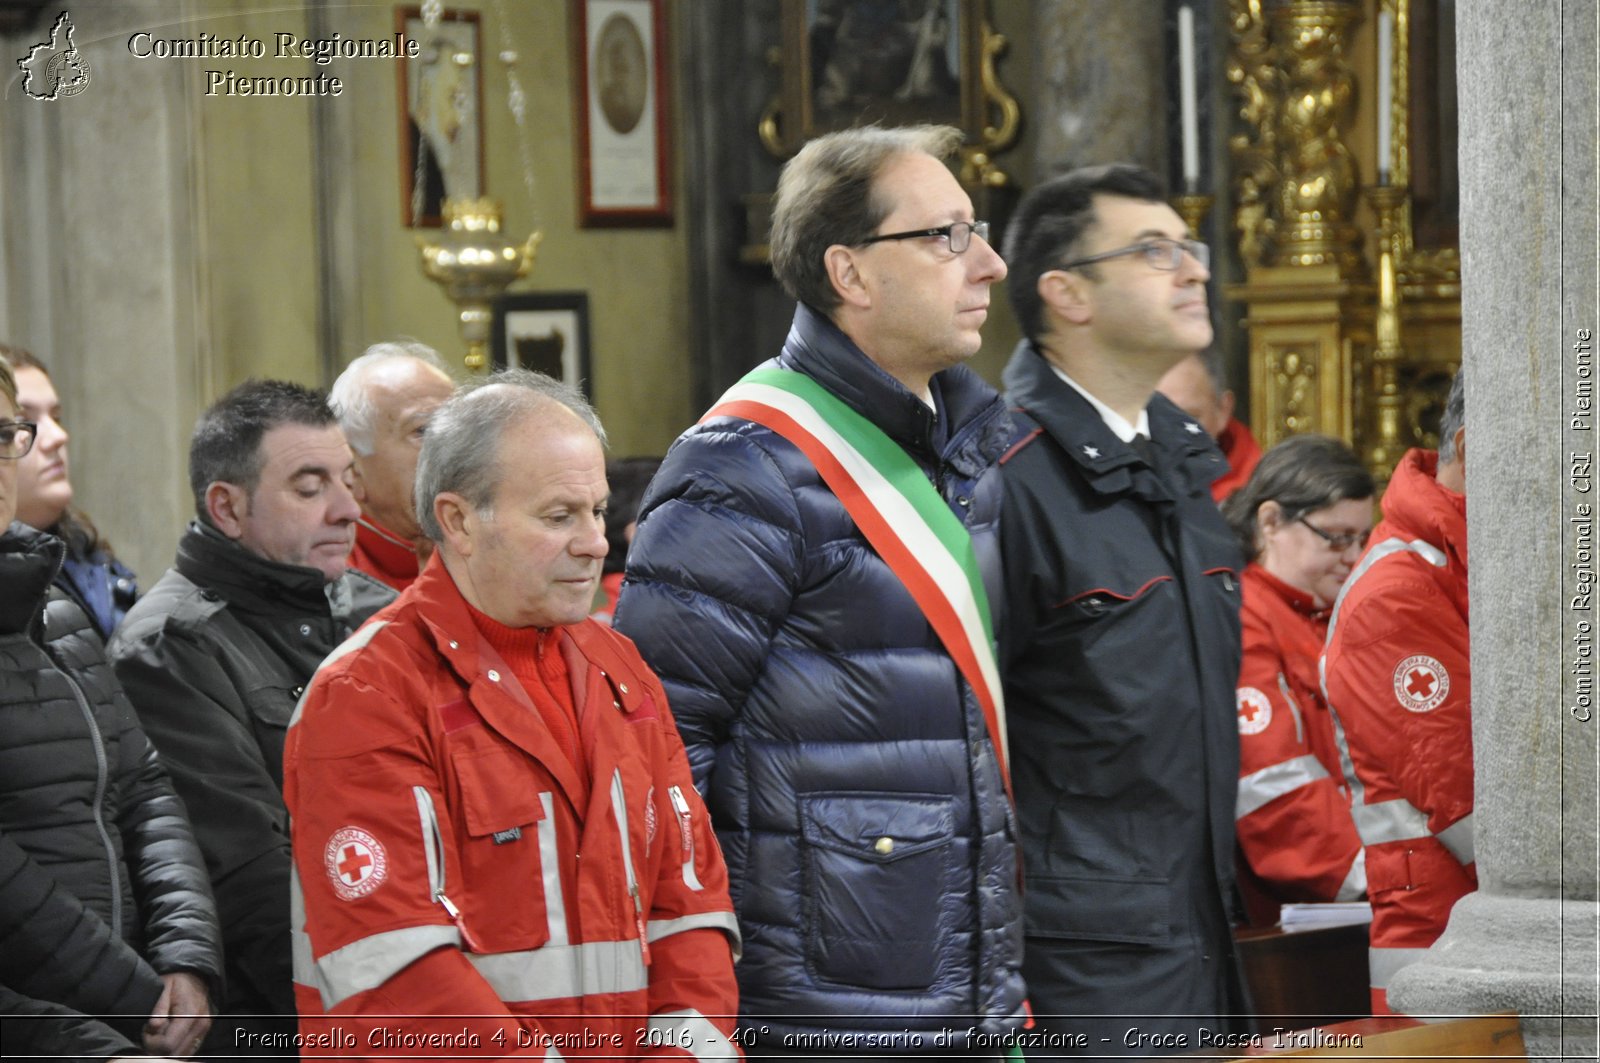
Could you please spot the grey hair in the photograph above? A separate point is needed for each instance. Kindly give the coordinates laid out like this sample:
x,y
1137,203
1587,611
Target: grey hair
x,y
1454,416
350,399
461,448
827,195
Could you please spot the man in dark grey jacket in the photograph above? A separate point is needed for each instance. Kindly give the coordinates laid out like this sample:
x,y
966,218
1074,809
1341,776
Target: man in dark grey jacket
x,y
1121,641
216,655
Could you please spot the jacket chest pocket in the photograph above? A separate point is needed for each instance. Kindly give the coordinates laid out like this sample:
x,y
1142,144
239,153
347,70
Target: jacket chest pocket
x,y
271,708
510,894
878,871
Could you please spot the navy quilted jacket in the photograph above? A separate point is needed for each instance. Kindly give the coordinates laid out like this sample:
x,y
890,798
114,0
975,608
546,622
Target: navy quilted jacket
x,y
846,764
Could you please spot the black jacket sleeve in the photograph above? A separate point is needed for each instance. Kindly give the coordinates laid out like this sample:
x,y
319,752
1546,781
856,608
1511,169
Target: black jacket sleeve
x,y
30,1027
170,883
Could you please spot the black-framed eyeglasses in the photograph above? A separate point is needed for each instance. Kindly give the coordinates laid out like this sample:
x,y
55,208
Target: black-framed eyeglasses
x,y
958,234
1342,541
1159,253
16,439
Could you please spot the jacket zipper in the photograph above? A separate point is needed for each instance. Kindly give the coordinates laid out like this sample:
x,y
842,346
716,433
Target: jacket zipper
x,y
102,771
686,829
619,807
433,850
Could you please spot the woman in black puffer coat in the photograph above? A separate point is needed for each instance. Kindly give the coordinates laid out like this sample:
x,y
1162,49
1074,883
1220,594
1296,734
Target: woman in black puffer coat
x,y
105,909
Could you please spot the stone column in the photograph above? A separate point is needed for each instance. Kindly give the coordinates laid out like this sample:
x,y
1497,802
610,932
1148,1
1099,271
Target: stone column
x,y
1101,90
105,267
1527,938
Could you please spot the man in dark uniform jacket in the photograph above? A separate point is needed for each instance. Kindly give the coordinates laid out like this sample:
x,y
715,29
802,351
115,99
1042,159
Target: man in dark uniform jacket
x,y
1120,647
216,655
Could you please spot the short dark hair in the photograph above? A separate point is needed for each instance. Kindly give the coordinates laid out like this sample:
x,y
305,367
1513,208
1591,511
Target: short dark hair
x,y
1302,474
1454,416
826,197
628,478
226,444
1050,222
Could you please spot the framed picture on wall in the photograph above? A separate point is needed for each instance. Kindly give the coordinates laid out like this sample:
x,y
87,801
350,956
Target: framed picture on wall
x,y
850,62
544,331
622,97
441,108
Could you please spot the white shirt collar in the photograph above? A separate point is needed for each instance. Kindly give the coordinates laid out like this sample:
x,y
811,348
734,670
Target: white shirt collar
x,y
1114,420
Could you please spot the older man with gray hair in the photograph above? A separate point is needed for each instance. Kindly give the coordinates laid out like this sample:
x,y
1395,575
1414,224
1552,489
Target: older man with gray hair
x,y
384,399
454,757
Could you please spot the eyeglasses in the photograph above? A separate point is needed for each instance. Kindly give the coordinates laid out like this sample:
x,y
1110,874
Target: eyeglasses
x,y
958,233
1159,253
16,439
1342,541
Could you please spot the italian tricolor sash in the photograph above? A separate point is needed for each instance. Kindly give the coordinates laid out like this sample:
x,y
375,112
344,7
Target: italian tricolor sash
x,y
900,513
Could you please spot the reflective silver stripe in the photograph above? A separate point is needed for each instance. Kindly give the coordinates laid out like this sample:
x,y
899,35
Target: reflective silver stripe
x,y
1299,725
727,922
1355,883
1384,964
1389,821
555,902
350,645
619,808
299,942
691,1031
1457,837
1272,782
556,972
680,806
371,961
432,848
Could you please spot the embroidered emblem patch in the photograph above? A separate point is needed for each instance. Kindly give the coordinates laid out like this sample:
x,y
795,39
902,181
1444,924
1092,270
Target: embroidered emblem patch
x,y
1255,711
1420,683
650,818
356,863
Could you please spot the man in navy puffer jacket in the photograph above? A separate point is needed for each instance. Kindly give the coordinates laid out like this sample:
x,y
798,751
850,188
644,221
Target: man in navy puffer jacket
x,y
846,759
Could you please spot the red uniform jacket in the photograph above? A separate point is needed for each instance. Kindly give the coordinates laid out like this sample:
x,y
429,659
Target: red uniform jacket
x,y
440,904
383,555
1243,454
1296,837
1396,673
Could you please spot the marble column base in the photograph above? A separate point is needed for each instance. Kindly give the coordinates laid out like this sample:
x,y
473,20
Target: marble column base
x,y
1534,956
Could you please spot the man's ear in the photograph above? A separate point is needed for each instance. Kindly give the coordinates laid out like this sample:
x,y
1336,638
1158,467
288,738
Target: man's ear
x,y
226,505
844,274
458,521
358,486
1226,403
1461,448
1067,294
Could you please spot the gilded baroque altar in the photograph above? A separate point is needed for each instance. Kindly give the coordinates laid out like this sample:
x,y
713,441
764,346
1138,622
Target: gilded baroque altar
x,y
1354,329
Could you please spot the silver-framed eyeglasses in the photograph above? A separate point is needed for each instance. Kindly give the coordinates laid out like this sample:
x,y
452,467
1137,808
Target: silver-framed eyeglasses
x,y
1159,253
16,439
1341,541
958,234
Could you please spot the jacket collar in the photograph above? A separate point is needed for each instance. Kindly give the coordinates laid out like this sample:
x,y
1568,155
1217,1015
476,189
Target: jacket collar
x,y
248,581
1109,465
29,561
1300,601
816,346
1417,505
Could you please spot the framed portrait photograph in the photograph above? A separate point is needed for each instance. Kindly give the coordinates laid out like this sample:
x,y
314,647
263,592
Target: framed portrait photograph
x,y
441,108
895,62
547,332
622,97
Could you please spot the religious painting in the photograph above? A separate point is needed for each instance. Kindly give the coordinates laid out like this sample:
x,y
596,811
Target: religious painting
x,y
441,108
894,62
622,97
547,332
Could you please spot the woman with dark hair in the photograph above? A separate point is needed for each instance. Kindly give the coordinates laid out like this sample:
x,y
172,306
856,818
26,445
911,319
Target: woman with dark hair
x,y
1303,519
104,588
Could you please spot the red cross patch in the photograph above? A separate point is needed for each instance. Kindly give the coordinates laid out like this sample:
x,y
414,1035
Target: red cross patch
x,y
1255,711
1420,683
356,862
